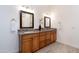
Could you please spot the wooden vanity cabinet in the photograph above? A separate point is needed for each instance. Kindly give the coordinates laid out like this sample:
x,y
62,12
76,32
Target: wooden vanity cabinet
x,y
26,43
35,41
35,46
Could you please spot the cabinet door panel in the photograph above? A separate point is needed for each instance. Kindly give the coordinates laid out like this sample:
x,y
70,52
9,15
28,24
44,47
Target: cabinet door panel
x,y
35,43
52,37
42,44
27,46
42,38
48,38
55,36
48,41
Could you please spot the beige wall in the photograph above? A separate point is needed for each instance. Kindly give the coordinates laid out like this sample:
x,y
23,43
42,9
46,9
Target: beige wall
x,y
9,41
67,22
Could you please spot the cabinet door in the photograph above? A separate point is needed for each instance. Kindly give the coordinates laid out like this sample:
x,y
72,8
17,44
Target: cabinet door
x,y
27,45
48,41
52,37
42,41
55,36
48,38
35,43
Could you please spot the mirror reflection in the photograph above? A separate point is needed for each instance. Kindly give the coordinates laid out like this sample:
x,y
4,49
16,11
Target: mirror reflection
x,y
26,19
47,22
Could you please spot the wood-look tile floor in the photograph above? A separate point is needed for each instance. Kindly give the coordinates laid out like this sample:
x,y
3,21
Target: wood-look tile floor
x,y
58,48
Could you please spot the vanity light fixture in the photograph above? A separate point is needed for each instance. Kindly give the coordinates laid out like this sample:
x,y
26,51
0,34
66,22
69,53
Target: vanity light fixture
x,y
24,8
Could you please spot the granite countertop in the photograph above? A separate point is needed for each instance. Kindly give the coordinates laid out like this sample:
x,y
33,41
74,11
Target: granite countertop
x,y
22,32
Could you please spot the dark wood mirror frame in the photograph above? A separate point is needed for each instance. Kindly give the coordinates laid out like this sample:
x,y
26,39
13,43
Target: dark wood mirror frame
x,y
45,17
21,27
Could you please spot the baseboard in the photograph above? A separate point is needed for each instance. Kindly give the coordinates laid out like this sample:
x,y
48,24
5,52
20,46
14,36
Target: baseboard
x,y
68,44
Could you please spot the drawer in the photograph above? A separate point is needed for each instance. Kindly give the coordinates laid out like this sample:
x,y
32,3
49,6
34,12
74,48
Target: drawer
x,y
27,40
52,32
42,33
24,37
48,33
35,34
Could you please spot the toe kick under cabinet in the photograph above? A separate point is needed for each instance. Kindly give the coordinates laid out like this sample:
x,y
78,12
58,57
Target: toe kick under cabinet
x,y
32,42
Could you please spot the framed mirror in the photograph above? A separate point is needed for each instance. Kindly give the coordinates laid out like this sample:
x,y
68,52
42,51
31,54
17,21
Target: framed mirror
x,y
26,20
47,22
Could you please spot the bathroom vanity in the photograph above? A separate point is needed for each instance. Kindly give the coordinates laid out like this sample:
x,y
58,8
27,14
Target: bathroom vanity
x,y
31,41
